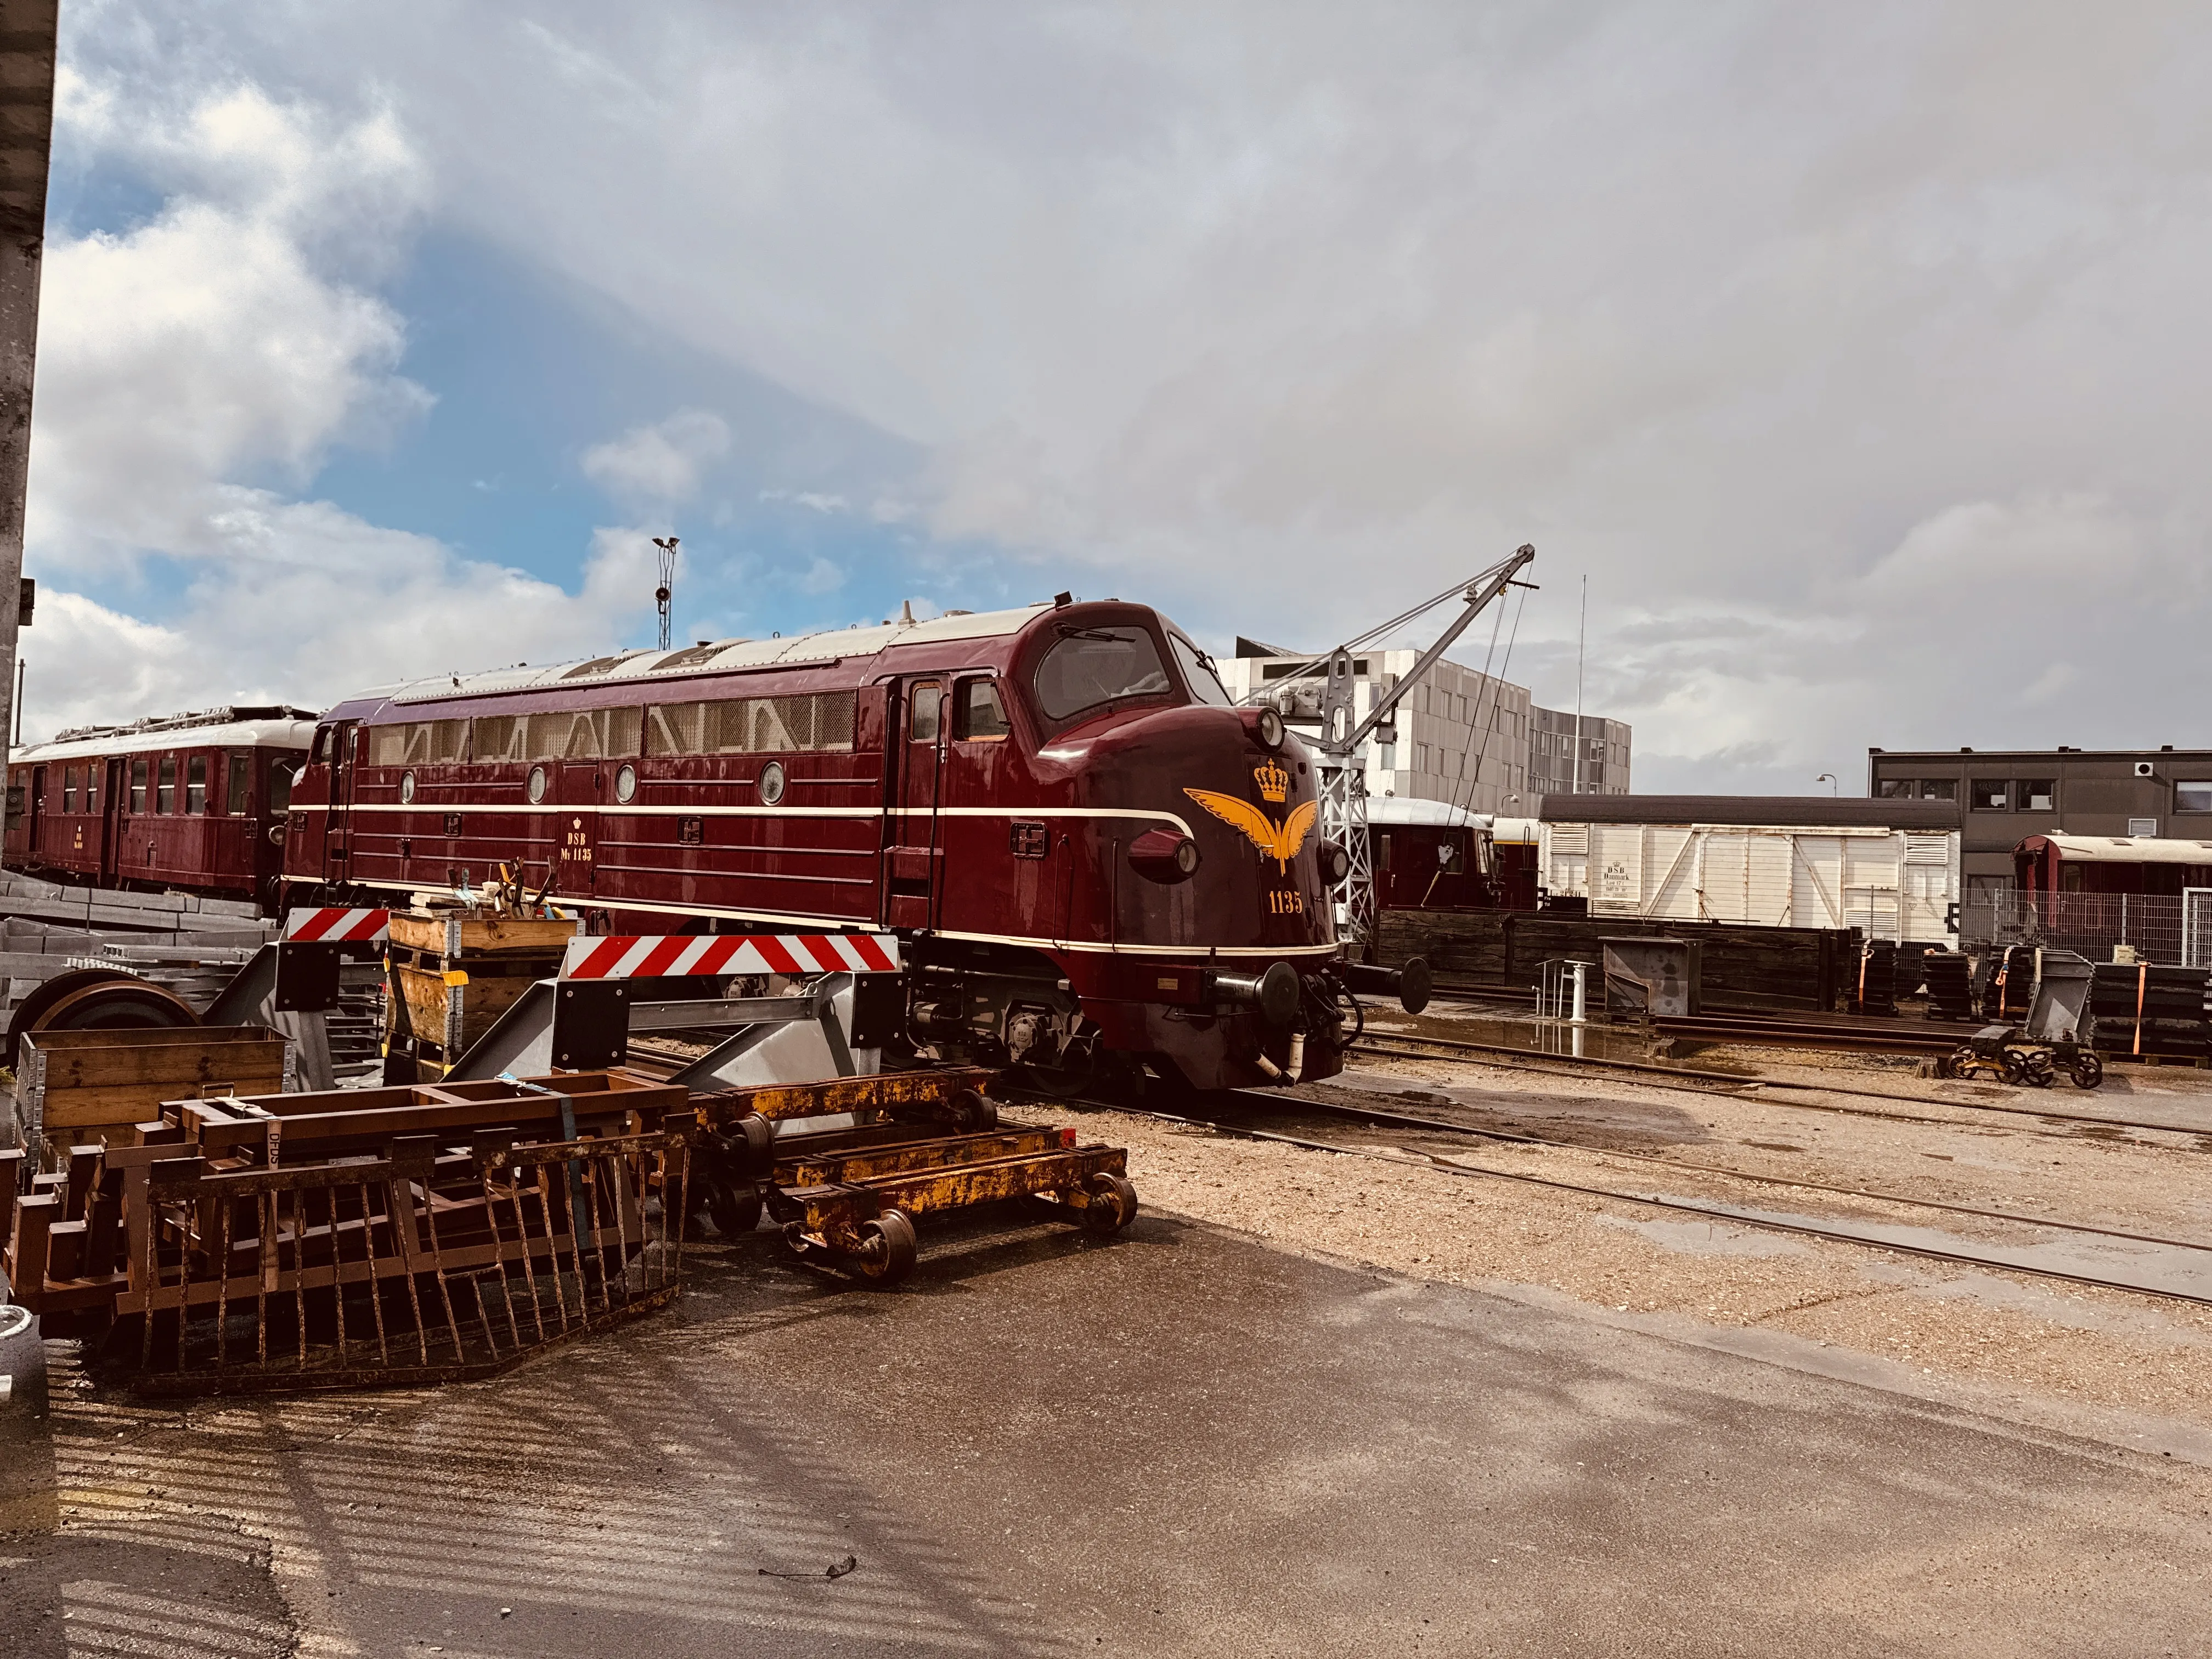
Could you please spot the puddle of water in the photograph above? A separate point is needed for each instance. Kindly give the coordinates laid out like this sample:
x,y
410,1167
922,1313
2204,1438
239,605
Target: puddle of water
x,y
1549,1036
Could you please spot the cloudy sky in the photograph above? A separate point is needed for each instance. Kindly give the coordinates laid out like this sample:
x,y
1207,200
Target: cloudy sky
x,y
1858,356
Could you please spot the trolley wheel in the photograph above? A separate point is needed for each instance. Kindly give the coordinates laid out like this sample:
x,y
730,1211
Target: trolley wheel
x,y
887,1247
1946,1066
2089,1071
974,1112
1113,1205
2013,1071
736,1210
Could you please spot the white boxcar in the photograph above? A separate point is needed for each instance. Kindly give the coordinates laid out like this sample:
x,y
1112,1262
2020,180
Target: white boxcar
x,y
1889,868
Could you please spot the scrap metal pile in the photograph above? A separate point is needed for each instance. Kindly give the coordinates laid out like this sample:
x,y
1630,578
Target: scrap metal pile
x,y
435,1233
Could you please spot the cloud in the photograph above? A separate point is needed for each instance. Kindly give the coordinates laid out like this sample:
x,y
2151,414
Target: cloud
x,y
661,465
195,370
1861,387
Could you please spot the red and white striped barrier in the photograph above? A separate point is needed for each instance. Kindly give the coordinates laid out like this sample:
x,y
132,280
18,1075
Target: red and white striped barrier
x,y
661,956
338,926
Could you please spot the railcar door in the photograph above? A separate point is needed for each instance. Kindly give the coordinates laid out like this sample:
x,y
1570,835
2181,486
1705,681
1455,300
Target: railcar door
x,y
912,855
111,821
576,848
38,809
338,839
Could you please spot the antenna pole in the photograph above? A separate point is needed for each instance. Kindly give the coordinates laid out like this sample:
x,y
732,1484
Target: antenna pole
x,y
664,594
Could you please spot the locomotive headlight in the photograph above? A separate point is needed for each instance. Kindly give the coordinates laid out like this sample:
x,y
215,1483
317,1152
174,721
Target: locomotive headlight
x,y
1164,855
406,788
1335,862
1271,728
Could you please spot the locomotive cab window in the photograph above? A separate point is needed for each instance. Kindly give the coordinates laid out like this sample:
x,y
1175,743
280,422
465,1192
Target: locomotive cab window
x,y
978,716
1087,667
924,702
238,783
165,791
195,784
1198,672
138,785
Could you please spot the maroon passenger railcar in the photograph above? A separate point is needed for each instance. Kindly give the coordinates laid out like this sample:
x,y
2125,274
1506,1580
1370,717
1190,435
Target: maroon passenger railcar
x,y
1092,856
191,802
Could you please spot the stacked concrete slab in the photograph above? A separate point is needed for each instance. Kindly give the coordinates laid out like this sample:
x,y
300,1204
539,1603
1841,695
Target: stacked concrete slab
x,y
190,943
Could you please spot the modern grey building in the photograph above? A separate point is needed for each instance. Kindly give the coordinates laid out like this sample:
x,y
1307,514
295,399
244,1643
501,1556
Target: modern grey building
x,y
2006,795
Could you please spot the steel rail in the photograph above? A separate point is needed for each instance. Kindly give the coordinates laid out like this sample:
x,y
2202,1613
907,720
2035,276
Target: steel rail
x,y
1711,1211
1407,1119
1520,1060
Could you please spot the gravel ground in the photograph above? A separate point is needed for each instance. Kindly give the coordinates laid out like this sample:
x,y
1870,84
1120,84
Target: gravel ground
x,y
2016,1335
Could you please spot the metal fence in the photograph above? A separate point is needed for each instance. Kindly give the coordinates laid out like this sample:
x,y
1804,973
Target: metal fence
x,y
2175,930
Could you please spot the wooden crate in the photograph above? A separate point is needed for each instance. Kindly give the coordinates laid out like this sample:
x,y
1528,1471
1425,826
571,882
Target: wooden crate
x,y
422,938
453,975
81,1088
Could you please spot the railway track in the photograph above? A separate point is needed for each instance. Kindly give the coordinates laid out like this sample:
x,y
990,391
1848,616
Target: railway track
x,y
1688,1079
1260,1105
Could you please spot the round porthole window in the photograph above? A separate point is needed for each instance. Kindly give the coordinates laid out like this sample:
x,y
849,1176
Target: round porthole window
x,y
771,783
626,783
406,788
537,785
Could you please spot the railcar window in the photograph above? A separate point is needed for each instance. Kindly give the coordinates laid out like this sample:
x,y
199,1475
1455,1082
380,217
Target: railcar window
x,y
68,789
165,791
195,784
137,786
14,803
929,700
238,782
1198,672
92,785
979,717
1090,665
282,774
816,721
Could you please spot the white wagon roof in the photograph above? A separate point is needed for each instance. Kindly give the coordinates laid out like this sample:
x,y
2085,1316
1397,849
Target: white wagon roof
x,y
294,730
716,657
2129,849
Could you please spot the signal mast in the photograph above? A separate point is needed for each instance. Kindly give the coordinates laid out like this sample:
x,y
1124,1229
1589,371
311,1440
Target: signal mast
x,y
664,595
1343,736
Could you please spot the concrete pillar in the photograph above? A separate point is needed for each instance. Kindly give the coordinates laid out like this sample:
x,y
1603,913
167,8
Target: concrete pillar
x,y
27,123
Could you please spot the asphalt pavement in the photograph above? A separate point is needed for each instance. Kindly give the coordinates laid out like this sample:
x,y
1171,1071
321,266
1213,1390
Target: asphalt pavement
x,y
1179,1442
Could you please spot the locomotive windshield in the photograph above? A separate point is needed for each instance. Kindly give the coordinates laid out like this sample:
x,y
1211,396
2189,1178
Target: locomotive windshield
x,y
1086,666
1198,672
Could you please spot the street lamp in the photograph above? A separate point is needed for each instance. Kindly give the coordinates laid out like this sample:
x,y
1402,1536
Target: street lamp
x,y
1828,778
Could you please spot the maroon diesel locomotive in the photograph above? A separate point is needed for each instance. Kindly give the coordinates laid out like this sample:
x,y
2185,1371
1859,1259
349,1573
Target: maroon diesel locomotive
x,y
192,802
1095,860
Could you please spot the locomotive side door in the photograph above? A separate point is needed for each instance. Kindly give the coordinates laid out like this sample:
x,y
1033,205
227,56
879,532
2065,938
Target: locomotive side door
x,y
337,841
913,857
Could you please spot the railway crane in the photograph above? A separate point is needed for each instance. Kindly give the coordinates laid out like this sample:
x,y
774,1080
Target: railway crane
x,y
1342,735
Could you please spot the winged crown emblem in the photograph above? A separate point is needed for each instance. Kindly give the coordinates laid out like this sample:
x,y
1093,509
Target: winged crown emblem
x,y
1278,841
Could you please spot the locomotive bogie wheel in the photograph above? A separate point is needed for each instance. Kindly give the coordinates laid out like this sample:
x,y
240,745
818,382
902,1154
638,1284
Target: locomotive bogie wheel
x,y
1112,1206
974,1112
2089,1071
735,1208
887,1249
